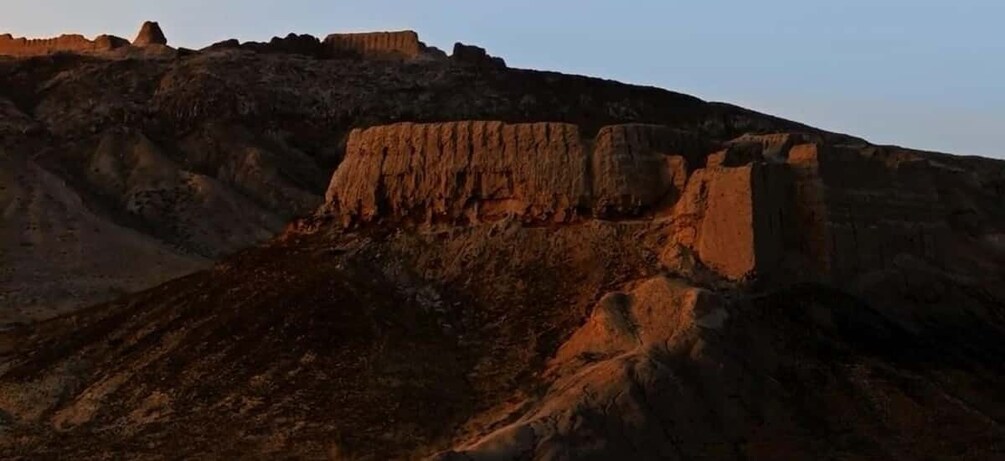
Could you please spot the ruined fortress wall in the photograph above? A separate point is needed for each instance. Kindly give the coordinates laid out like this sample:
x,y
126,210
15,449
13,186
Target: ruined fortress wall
x,y
726,235
857,213
485,170
837,212
771,196
448,171
842,210
633,168
22,47
402,44
809,211
734,218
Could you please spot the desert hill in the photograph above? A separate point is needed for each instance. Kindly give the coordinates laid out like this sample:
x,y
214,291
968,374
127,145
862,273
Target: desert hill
x,y
480,263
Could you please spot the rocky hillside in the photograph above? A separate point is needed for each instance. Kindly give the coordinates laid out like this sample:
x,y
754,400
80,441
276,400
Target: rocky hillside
x,y
488,264
199,154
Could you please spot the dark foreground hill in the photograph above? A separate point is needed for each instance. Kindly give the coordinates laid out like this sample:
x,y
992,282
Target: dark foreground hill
x,y
636,275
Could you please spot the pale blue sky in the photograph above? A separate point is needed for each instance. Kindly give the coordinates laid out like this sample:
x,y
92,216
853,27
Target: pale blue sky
x,y
920,73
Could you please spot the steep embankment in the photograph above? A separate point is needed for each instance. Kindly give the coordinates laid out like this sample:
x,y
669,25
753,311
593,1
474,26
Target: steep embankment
x,y
483,291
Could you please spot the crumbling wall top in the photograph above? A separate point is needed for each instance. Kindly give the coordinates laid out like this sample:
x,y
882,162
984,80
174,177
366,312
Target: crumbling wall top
x,y
150,34
399,44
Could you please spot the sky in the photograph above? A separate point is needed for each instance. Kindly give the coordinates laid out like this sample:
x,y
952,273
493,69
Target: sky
x,y
925,74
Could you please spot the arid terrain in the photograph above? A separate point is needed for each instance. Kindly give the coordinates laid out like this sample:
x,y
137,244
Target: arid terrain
x,y
362,247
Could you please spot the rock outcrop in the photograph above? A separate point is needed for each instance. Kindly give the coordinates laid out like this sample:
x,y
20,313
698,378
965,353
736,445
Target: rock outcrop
x,y
300,44
475,56
150,34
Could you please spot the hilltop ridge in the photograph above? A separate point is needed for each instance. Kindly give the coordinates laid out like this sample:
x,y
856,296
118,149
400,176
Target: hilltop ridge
x,y
397,45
